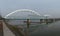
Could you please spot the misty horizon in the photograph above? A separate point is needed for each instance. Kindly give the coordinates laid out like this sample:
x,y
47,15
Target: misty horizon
x,y
43,7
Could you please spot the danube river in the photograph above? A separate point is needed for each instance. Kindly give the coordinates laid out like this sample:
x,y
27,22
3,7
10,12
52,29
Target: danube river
x,y
51,29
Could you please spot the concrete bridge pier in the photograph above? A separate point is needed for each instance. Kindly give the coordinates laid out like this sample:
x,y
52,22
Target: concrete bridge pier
x,y
41,20
46,21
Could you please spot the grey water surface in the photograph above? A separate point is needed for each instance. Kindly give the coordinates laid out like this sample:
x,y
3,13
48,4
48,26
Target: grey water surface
x,y
51,29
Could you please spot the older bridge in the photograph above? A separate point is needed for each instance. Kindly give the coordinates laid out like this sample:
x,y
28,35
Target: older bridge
x,y
49,20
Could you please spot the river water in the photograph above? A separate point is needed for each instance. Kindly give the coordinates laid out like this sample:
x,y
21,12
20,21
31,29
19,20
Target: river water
x,y
51,29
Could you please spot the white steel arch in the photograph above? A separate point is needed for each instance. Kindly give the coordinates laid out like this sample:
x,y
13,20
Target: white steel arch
x,y
22,10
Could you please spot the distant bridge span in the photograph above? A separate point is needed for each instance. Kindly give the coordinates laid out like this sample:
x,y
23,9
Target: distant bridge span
x,y
32,11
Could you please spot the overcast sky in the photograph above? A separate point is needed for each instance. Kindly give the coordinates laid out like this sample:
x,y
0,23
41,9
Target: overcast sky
x,y
51,7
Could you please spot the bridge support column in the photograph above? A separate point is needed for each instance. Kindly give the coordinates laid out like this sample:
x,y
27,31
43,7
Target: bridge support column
x,y
28,25
41,21
46,21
